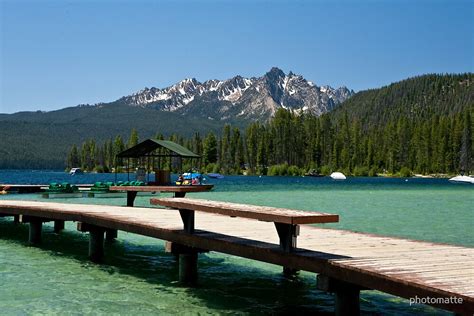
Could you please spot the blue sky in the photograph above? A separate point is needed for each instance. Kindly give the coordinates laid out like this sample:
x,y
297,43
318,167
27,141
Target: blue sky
x,y
57,53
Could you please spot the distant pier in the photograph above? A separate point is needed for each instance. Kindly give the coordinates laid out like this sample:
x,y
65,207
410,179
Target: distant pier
x,y
32,188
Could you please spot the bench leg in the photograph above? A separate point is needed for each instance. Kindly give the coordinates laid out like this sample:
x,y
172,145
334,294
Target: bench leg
x,y
188,269
188,220
58,226
36,226
131,195
290,272
16,219
288,234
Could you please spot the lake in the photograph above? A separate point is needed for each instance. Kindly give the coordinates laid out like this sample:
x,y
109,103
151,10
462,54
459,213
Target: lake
x,y
138,277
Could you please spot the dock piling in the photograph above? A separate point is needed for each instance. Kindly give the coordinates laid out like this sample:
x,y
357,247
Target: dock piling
x,y
188,270
110,235
96,244
347,295
96,240
34,236
58,226
347,301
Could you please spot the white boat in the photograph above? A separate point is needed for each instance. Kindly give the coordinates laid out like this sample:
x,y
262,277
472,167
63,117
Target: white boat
x,y
338,176
75,171
463,179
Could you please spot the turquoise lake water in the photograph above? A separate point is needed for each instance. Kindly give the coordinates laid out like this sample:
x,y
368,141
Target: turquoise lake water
x,y
138,278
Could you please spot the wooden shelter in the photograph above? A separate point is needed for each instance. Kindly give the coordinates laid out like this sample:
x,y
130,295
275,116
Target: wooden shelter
x,y
152,154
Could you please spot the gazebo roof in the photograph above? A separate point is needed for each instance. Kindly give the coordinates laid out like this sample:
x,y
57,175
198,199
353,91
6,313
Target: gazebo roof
x,y
148,146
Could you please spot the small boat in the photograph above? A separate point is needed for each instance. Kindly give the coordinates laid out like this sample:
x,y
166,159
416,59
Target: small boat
x,y
215,175
462,179
191,178
76,171
338,176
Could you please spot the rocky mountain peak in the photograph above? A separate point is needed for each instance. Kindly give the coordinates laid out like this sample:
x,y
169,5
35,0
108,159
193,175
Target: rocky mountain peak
x,y
239,97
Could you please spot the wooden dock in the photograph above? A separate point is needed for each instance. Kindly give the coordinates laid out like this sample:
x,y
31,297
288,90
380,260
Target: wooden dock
x,y
397,266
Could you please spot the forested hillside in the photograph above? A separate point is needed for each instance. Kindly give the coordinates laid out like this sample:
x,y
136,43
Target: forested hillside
x,y
422,125
37,140
414,99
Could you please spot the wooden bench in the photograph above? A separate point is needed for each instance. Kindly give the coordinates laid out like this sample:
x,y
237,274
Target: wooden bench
x,y
286,221
178,190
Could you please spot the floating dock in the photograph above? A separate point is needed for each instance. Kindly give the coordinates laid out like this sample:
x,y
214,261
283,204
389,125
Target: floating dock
x,y
33,188
397,266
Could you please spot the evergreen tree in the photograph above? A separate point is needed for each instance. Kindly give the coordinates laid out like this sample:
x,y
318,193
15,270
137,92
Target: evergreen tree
x,y
210,149
466,146
133,139
73,159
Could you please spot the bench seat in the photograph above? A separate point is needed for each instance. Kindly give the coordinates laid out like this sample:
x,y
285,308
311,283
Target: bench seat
x,y
261,213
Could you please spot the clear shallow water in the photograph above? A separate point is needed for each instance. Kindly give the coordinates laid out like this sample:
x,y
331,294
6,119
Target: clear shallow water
x,y
138,277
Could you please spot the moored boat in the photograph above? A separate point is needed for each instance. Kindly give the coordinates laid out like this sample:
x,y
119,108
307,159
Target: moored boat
x,y
76,171
462,179
338,176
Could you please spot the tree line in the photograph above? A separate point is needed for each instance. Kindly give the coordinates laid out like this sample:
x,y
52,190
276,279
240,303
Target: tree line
x,y
291,144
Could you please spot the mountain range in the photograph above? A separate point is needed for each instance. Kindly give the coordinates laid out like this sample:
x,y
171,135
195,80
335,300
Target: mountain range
x,y
240,98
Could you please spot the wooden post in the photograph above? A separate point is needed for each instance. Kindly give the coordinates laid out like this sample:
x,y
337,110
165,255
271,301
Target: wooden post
x,y
96,240
347,301
131,195
36,226
179,194
288,234
188,258
96,244
188,268
58,226
110,234
347,295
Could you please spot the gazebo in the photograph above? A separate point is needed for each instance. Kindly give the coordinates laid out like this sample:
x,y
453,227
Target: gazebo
x,y
152,154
